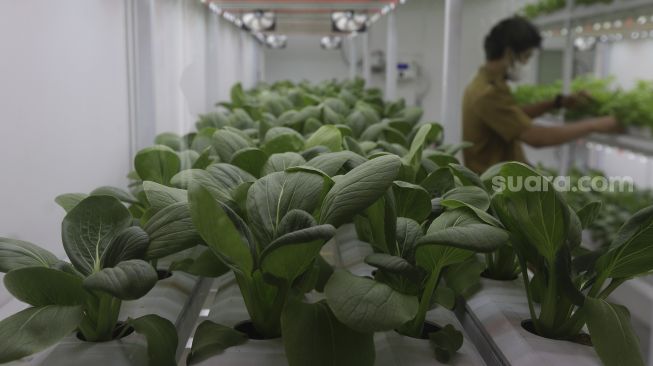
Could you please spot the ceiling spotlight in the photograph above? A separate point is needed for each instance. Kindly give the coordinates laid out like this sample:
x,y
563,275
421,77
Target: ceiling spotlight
x,y
276,40
331,42
348,21
259,21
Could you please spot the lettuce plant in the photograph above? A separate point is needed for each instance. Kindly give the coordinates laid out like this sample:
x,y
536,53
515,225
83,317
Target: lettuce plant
x,y
271,231
86,294
572,283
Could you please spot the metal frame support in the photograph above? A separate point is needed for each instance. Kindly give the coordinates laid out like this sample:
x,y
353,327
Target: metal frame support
x,y
353,57
391,58
567,151
367,67
451,88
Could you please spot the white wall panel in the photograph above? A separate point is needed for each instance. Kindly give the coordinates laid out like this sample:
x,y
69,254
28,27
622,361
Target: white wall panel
x,y
64,109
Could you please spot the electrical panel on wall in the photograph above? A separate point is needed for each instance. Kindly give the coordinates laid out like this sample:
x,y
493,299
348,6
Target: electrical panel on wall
x,y
407,70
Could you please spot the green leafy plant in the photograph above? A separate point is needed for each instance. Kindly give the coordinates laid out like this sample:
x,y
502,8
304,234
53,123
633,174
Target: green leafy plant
x,y
86,295
570,282
274,235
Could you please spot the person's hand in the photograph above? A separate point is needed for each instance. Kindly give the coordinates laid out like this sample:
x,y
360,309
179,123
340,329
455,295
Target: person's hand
x,y
607,125
576,99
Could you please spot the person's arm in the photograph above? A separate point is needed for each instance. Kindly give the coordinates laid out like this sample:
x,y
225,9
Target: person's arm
x,y
537,109
542,136
570,101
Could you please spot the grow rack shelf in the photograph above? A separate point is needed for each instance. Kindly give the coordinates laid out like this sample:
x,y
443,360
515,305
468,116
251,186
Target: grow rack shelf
x,y
591,11
635,144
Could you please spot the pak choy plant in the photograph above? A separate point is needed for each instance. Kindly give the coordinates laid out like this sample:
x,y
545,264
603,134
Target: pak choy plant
x,y
86,294
571,283
270,235
415,247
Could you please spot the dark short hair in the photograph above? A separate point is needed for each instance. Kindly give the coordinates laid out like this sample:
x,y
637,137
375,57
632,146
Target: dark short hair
x,y
514,33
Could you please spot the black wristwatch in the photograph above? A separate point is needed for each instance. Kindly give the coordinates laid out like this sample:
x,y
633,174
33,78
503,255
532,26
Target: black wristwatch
x,y
557,102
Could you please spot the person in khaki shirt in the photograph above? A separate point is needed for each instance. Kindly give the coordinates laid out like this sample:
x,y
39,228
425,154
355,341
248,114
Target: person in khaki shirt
x,y
493,121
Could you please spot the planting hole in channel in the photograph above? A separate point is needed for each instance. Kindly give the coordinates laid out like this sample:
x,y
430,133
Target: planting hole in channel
x,y
582,338
248,328
163,274
427,329
121,330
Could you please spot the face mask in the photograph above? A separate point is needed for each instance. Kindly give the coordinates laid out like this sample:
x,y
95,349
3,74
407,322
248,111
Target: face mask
x,y
516,70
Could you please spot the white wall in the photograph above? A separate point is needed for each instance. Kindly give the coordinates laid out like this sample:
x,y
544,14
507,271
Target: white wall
x,y
637,55
63,99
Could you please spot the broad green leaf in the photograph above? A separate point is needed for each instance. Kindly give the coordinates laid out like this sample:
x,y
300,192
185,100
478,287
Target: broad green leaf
x,y
292,254
280,162
171,230
466,176
229,176
204,139
35,329
271,197
588,213
160,196
484,216
187,159
332,163
40,286
282,139
368,306
250,160
408,233
438,182
157,163
631,252
226,143
118,193
412,201
68,201
217,230
204,159
358,189
128,280
464,277
211,339
171,140
391,263
15,254
89,228
612,334
446,342
440,158
533,210
161,337
454,236
312,335
182,179
207,264
131,243
414,156
328,136
471,195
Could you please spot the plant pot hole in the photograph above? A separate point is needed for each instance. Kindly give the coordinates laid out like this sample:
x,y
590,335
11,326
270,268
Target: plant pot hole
x,y
163,274
247,327
582,338
121,330
485,274
427,329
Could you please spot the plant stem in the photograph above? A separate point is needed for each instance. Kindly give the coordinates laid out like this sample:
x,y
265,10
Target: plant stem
x,y
529,296
415,330
611,287
549,302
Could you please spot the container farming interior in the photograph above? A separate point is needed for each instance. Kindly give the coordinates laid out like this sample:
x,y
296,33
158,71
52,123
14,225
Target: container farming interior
x,y
312,182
